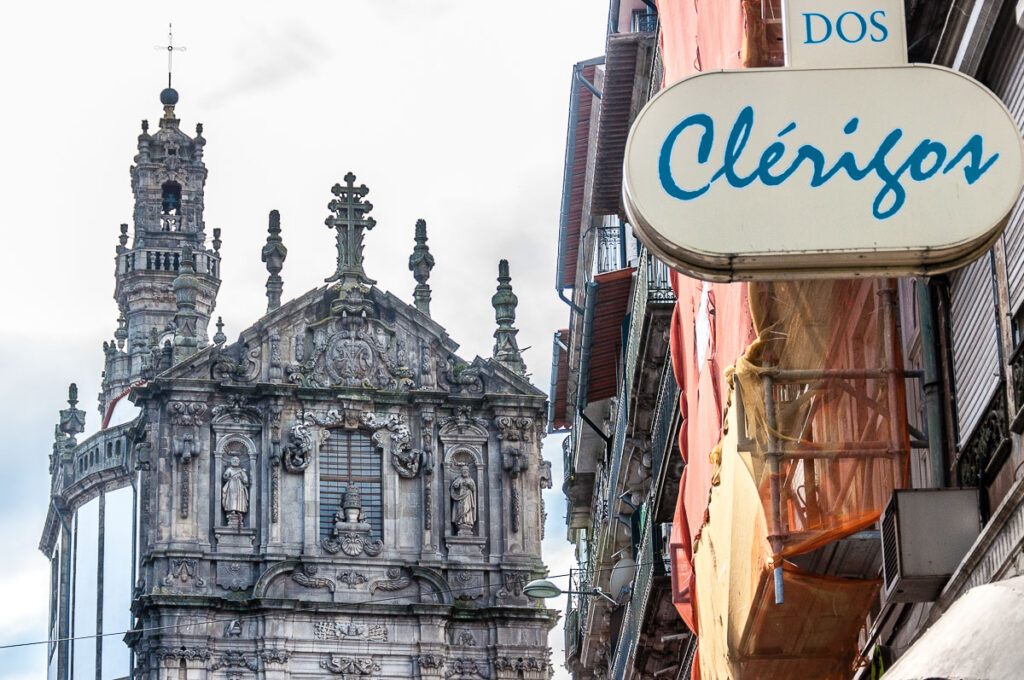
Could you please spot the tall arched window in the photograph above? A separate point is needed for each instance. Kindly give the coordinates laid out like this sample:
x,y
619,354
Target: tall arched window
x,y
350,457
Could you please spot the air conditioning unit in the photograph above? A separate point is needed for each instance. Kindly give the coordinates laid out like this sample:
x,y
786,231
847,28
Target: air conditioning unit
x,y
925,534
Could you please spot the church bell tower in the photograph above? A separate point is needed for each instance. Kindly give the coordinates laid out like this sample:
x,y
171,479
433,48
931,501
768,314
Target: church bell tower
x,y
168,177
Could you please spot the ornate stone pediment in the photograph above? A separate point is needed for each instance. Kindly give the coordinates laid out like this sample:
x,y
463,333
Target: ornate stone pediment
x,y
463,424
351,351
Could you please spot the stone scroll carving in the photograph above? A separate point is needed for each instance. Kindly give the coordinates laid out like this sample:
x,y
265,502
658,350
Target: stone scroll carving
x,y
349,665
463,667
460,378
391,435
305,576
239,363
236,659
395,581
299,450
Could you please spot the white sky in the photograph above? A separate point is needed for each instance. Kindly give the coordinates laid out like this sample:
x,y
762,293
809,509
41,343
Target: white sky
x,y
450,111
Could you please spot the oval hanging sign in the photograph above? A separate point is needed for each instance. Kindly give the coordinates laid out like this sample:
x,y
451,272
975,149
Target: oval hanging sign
x,y
799,173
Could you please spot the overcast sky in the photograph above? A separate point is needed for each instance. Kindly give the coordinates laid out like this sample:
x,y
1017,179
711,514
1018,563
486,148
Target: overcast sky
x,y
450,111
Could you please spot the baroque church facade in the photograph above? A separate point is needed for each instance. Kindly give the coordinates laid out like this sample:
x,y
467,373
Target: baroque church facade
x,y
335,494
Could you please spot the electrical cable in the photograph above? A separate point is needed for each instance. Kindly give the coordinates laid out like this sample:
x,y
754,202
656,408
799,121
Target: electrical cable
x,y
148,629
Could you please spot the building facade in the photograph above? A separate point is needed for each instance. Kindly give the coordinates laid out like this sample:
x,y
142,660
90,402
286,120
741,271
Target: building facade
x,y
854,390
613,387
334,494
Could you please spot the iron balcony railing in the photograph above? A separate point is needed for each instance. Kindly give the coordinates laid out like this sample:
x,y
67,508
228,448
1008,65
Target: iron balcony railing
x,y
633,623
611,249
659,285
644,22
665,410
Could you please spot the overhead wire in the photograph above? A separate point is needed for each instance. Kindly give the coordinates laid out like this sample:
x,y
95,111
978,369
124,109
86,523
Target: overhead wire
x,y
240,617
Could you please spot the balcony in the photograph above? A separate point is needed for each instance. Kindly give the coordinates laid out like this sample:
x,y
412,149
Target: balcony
x,y
643,21
101,461
659,283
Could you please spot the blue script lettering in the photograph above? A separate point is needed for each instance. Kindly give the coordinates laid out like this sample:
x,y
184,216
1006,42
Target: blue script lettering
x,y
926,161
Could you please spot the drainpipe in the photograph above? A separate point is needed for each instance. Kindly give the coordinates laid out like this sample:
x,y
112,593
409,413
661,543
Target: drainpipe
x,y
586,344
933,416
556,347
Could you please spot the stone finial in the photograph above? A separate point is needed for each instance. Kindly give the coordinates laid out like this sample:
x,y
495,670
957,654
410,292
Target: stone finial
x,y
504,301
186,286
121,334
216,240
219,338
420,263
72,419
274,254
349,219
122,238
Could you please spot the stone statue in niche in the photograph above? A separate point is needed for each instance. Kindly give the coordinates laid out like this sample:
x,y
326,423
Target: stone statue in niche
x,y
234,497
463,492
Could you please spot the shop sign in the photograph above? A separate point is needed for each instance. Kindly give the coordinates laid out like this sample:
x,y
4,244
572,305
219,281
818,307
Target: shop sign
x,y
858,169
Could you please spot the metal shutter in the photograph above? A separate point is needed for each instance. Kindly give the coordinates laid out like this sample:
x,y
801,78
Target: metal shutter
x,y
975,342
1004,75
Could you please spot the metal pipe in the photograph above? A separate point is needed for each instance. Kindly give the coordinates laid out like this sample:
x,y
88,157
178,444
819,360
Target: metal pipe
x,y
578,74
934,426
65,577
555,348
595,428
73,594
799,375
843,453
889,340
774,456
100,549
622,245
586,343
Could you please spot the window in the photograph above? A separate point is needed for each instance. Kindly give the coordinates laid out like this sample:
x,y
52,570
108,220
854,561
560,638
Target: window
x,y
350,457
171,198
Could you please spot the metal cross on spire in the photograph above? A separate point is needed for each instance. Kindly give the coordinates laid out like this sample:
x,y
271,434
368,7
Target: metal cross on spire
x,y
170,50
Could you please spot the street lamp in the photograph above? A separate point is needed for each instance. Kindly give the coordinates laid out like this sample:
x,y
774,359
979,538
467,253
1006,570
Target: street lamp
x,y
543,589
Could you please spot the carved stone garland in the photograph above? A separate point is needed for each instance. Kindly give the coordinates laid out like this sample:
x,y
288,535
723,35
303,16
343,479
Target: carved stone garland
x,y
187,417
513,432
427,433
